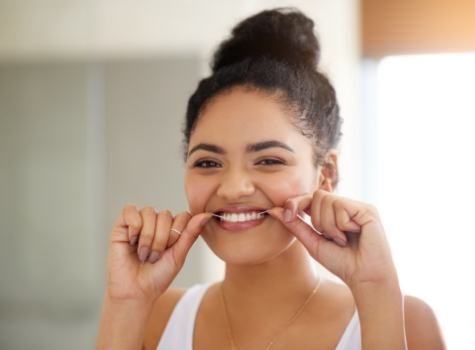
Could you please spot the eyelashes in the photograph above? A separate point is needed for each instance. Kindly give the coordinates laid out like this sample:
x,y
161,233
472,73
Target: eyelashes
x,y
270,161
206,163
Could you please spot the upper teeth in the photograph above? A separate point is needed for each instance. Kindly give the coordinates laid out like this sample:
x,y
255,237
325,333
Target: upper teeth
x,y
241,217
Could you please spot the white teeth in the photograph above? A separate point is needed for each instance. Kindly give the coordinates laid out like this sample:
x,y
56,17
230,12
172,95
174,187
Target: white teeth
x,y
241,217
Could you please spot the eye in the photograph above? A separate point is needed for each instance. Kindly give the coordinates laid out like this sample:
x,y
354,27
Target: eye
x,y
270,161
206,164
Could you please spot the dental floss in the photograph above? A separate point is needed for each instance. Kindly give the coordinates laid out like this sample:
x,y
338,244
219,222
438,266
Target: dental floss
x,y
308,220
222,217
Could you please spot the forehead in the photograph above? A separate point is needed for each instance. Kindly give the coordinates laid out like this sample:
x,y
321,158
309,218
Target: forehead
x,y
245,116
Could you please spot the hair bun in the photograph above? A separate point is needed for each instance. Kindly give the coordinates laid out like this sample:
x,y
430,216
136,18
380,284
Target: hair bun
x,y
284,34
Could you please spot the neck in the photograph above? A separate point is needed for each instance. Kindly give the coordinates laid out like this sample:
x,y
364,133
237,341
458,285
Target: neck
x,y
258,289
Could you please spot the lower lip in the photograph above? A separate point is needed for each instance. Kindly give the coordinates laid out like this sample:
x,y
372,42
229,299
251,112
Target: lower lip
x,y
239,226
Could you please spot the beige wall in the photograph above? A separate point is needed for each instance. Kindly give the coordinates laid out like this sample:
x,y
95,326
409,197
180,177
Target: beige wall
x,y
107,27
394,27
78,141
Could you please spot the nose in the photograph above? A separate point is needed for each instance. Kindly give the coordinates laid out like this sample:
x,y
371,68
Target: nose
x,y
235,184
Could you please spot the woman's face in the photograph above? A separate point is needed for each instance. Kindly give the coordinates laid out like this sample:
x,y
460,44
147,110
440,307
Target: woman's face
x,y
245,156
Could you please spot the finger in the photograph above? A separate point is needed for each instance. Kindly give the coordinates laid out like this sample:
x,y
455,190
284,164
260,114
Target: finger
x,y
132,220
149,218
328,223
343,219
161,235
312,241
178,226
362,213
295,205
189,235
315,215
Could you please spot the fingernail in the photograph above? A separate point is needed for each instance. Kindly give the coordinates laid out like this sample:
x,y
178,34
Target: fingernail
x,y
287,215
154,256
143,253
340,241
133,240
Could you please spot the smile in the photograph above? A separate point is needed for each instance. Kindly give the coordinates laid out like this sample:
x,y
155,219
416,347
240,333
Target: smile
x,y
240,217
240,220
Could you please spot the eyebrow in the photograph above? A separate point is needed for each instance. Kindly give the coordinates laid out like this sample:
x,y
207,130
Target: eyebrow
x,y
253,147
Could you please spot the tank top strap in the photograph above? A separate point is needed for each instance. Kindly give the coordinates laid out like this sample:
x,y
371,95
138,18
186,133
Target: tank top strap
x,y
351,338
178,333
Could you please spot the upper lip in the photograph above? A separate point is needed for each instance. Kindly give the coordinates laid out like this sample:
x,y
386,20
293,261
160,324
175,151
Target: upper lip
x,y
240,208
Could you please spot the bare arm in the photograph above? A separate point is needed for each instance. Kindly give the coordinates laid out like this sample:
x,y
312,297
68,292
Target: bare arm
x,y
381,312
391,321
123,324
422,328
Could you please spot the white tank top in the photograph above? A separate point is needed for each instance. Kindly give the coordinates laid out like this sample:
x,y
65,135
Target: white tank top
x,y
178,334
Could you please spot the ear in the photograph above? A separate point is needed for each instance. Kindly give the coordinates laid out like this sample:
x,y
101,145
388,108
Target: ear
x,y
328,179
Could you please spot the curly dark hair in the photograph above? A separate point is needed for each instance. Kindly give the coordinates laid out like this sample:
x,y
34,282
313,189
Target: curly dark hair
x,y
277,53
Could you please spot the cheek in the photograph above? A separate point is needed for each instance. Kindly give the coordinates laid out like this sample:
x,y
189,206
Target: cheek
x,y
288,185
198,193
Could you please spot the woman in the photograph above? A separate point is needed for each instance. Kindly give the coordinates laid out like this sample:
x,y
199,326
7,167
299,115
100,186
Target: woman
x,y
260,150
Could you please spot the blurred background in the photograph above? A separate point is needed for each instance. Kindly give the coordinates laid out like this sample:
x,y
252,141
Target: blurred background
x,y
92,98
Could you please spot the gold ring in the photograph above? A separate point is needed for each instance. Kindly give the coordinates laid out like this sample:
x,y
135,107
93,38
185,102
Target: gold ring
x,y
175,230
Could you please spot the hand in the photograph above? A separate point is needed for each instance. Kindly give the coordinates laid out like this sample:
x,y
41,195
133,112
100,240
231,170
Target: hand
x,y
145,255
351,242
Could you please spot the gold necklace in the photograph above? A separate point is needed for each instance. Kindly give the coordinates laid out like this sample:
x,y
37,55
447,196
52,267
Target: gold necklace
x,y
273,339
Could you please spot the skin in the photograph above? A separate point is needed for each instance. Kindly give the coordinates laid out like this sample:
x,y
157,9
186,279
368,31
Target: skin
x,y
270,262
239,178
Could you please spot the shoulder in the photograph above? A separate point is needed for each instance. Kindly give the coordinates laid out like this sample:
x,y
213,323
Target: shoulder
x,y
161,312
422,328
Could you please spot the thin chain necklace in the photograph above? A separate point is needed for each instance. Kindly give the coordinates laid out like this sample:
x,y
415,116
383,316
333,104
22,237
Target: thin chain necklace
x,y
273,339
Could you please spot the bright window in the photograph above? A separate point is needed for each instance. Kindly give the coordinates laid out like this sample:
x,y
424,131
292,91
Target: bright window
x,y
423,165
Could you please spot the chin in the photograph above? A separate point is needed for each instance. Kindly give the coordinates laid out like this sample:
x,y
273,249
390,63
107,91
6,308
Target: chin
x,y
248,250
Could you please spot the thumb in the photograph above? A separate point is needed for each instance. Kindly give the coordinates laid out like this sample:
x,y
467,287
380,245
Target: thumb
x,y
310,238
189,235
